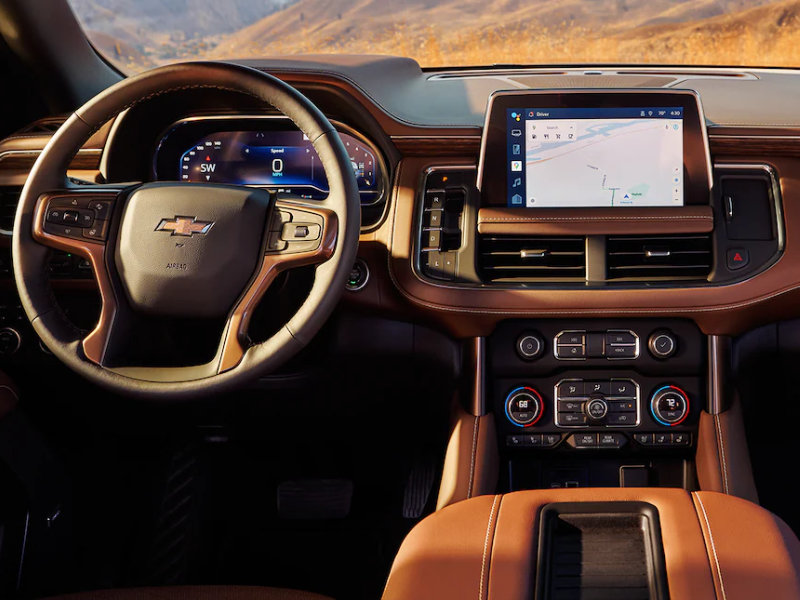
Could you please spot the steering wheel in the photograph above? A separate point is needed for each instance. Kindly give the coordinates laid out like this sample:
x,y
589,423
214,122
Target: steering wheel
x,y
183,250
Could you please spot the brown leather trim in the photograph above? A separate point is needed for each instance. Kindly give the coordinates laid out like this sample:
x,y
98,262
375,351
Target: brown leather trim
x,y
722,459
750,550
443,557
716,547
595,221
471,462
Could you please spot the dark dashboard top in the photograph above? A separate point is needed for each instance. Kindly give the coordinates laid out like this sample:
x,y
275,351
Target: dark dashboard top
x,y
457,98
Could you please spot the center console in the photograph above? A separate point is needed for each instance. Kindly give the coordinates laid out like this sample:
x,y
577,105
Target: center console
x,y
596,403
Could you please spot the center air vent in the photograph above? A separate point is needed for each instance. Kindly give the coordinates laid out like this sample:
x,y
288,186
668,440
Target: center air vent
x,y
658,258
516,259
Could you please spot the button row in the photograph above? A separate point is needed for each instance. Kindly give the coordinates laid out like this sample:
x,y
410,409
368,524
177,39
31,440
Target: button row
x,y
441,231
576,388
78,218
663,439
612,344
533,440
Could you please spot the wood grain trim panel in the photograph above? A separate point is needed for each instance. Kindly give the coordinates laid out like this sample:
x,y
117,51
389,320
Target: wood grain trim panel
x,y
596,221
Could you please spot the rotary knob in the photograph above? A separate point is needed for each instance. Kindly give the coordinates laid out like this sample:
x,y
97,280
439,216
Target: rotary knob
x,y
662,344
669,405
596,409
524,406
530,346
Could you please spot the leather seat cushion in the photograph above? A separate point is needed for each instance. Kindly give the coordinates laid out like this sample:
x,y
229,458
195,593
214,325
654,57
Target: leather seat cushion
x,y
210,592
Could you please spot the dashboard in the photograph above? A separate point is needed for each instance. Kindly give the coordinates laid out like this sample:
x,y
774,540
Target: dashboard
x,y
443,235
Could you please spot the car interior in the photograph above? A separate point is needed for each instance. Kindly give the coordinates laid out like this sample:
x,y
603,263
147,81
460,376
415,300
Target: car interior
x,y
311,325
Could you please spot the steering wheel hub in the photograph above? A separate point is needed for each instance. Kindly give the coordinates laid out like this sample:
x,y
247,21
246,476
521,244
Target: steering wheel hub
x,y
189,250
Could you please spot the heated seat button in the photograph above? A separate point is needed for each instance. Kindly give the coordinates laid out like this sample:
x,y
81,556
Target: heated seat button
x,y
550,439
645,439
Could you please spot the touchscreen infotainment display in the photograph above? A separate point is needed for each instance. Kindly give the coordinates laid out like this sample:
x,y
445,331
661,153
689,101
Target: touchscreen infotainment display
x,y
595,157
600,150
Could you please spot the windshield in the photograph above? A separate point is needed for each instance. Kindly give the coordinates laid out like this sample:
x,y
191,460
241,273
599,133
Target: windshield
x,y
137,34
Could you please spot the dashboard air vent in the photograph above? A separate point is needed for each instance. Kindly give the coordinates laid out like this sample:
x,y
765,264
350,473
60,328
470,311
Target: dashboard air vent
x,y
505,258
9,196
658,258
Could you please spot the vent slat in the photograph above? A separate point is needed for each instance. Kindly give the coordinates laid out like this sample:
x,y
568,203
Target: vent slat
x,y
521,259
9,197
659,258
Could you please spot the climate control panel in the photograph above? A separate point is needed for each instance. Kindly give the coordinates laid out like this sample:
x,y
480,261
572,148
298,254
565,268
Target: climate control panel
x,y
608,385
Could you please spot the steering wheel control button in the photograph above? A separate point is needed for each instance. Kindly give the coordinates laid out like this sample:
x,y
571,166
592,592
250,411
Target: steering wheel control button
x,y
669,405
97,232
530,346
101,208
596,410
737,258
358,277
524,406
662,344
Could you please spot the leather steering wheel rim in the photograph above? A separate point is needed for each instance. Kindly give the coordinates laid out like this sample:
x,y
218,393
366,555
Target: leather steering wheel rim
x,y
49,173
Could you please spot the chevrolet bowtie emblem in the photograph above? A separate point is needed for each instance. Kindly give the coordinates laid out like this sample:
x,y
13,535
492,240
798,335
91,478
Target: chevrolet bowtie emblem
x,y
185,226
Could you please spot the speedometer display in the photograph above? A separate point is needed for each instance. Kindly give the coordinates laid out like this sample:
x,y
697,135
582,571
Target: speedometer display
x,y
282,160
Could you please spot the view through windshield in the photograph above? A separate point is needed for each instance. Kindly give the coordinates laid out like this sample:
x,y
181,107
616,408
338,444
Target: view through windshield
x,y
138,34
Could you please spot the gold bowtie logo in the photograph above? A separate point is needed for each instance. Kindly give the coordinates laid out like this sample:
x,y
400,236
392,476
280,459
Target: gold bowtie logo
x,y
185,226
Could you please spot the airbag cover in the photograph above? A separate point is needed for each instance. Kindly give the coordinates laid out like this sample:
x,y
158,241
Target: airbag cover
x,y
189,250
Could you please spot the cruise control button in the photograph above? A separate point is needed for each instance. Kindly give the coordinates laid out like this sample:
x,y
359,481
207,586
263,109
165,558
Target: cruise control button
x,y
570,405
98,232
621,418
585,440
101,208
69,231
622,389
55,215
86,218
71,217
570,389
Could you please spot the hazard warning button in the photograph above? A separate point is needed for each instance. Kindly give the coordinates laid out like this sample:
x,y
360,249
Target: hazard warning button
x,y
738,258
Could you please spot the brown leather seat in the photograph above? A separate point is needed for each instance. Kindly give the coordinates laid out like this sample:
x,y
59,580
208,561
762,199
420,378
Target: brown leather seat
x,y
210,592
715,547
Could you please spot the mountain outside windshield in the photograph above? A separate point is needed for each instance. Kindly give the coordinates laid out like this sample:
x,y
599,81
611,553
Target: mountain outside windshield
x,y
137,34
